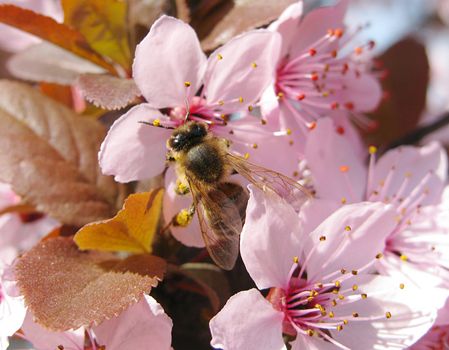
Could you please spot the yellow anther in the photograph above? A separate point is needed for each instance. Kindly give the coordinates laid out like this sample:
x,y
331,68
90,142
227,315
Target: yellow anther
x,y
246,156
280,95
295,173
341,297
156,122
372,149
263,121
343,271
364,295
313,293
254,145
334,302
343,200
288,131
354,272
379,256
241,99
187,83
250,108
319,285
310,332
325,94
334,291
345,321
355,287
402,286
331,314
348,228
183,218
388,314
295,259
339,327
355,314
290,142
254,65
337,284
404,257
220,56
322,238
221,102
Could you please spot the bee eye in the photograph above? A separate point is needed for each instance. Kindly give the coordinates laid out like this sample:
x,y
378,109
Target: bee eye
x,y
177,142
198,130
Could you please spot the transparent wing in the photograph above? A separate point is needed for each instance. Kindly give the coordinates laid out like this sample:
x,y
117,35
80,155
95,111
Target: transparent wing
x,y
220,215
264,179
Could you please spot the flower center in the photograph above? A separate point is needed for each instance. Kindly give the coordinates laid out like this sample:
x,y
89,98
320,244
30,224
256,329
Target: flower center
x,y
311,83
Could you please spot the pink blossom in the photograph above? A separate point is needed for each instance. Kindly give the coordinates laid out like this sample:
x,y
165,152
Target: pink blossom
x,y
320,72
135,328
437,338
175,76
411,179
14,40
12,308
19,233
321,288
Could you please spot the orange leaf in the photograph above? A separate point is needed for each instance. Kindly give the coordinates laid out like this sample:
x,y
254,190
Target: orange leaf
x,y
48,29
131,230
104,25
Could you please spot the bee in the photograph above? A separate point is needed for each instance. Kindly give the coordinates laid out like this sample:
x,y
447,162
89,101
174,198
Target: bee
x,y
204,162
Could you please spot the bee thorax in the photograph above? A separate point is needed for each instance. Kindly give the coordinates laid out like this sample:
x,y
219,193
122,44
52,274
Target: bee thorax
x,y
205,162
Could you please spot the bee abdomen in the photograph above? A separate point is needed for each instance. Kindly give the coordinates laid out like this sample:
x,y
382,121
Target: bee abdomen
x,y
205,162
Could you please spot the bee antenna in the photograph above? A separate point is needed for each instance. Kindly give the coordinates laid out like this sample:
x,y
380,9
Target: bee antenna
x,y
187,109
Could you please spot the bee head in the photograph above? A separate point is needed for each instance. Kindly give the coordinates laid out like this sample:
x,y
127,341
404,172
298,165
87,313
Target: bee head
x,y
187,136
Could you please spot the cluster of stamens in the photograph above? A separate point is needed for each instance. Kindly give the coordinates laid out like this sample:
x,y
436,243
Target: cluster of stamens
x,y
308,84
408,208
311,305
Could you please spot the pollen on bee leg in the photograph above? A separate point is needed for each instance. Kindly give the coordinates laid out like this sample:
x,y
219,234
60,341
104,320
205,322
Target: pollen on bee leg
x,y
183,218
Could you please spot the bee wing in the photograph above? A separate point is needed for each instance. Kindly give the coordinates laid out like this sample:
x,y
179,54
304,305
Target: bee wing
x,y
220,223
264,179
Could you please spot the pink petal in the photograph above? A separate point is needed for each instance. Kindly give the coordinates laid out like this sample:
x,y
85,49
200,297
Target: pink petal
x,y
326,153
7,196
303,342
43,339
247,67
247,321
346,233
166,58
315,211
363,91
139,326
270,239
12,312
412,314
17,236
412,164
173,204
132,150
316,24
287,25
